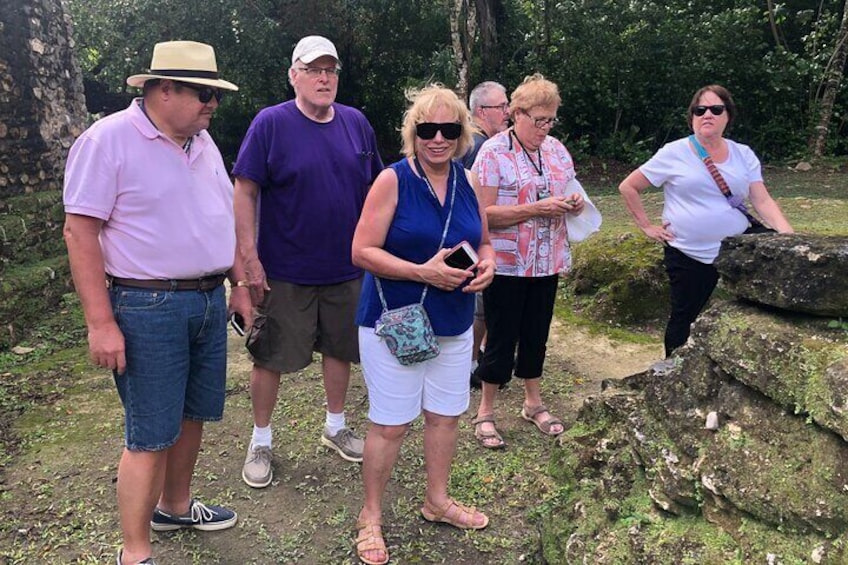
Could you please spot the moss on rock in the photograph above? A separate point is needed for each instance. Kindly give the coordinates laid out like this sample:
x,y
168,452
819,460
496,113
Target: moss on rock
x,y
619,277
28,293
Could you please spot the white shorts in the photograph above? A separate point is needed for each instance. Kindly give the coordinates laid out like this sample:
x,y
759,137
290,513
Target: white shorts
x,y
398,393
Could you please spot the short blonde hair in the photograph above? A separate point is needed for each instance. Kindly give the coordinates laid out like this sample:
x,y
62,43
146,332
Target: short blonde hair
x,y
535,91
423,103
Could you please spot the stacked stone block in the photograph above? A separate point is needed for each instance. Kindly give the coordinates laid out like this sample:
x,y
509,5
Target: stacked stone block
x,y
42,111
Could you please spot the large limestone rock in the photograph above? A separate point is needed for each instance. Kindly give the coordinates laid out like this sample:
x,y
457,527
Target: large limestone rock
x,y
734,451
800,273
764,460
795,360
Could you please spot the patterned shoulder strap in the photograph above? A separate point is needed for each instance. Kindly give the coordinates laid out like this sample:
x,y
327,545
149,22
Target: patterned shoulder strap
x,y
735,201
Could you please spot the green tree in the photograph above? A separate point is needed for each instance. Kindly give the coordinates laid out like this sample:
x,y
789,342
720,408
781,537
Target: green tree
x,y
626,69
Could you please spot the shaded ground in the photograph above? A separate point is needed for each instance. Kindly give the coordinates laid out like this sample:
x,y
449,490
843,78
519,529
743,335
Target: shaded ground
x,y
59,494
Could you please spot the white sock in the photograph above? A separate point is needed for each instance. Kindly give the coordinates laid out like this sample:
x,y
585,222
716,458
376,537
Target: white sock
x,y
261,436
334,423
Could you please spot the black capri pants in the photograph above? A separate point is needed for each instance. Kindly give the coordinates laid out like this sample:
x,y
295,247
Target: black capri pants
x,y
518,313
691,283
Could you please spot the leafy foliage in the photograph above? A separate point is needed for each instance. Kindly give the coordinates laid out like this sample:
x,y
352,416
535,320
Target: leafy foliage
x,y
626,70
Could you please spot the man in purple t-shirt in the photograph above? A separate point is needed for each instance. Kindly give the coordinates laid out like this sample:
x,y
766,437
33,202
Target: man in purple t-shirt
x,y
305,165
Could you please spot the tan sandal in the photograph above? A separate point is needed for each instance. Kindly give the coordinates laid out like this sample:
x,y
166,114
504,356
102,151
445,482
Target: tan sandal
x,y
482,436
545,426
456,514
370,538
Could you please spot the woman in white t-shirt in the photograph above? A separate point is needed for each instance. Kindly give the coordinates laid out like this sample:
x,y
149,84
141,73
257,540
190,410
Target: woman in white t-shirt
x,y
696,214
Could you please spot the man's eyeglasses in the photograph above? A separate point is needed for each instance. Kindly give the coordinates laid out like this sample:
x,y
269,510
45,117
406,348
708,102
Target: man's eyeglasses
x,y
315,72
205,93
543,122
502,107
428,130
715,110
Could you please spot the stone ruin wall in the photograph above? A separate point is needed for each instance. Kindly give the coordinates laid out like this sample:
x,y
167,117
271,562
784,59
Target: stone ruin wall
x,y
42,107
42,111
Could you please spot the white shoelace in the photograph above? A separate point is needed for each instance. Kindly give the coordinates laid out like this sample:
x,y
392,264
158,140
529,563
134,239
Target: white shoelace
x,y
201,513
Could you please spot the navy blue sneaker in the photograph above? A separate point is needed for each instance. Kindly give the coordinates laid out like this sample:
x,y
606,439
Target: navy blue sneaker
x,y
200,517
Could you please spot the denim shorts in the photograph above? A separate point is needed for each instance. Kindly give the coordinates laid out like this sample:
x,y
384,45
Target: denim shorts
x,y
176,349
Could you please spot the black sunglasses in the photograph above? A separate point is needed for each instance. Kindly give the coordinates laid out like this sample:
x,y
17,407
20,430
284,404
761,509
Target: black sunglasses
x,y
205,93
428,130
715,109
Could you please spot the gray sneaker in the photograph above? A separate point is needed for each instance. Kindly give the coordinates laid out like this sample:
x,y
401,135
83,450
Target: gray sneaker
x,y
257,466
347,443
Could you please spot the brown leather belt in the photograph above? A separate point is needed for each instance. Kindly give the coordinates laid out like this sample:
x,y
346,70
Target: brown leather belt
x,y
204,284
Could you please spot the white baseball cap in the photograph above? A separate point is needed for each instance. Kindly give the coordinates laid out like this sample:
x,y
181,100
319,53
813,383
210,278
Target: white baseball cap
x,y
313,46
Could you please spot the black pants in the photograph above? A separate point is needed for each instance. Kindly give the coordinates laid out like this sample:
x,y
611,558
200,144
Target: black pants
x,y
692,283
518,313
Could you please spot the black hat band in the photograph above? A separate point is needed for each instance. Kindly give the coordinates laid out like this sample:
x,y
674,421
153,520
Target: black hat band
x,y
213,75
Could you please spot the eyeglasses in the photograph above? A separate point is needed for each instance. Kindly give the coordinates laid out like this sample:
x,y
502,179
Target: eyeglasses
x,y
715,109
428,130
205,93
502,107
543,122
315,72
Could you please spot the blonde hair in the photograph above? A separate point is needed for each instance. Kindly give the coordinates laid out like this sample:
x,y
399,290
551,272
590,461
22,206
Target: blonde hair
x,y
535,91
426,101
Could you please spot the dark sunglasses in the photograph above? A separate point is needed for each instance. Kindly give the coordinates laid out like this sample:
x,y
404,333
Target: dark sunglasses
x,y
715,109
205,93
428,130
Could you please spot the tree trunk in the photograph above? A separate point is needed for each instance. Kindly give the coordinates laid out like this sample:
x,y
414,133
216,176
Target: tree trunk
x,y
773,23
487,23
833,80
463,26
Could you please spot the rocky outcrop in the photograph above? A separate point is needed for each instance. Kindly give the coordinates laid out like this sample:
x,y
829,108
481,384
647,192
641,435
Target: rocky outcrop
x,y
734,451
799,273
796,361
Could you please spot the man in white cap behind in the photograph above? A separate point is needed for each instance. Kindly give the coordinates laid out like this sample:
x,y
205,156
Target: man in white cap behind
x,y
151,237
311,160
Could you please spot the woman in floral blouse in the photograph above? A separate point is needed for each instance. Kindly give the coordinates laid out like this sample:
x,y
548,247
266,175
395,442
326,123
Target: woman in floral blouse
x,y
528,189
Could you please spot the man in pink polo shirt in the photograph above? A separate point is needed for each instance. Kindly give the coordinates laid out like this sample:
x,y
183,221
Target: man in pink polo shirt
x,y
151,237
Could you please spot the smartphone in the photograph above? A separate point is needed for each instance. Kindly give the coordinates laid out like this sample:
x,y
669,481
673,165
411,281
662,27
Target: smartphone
x,y
237,322
462,256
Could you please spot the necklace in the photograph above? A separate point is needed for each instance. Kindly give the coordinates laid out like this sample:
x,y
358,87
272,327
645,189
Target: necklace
x,y
538,168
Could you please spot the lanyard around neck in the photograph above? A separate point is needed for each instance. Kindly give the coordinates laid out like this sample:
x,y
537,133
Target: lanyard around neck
x,y
426,180
540,168
444,229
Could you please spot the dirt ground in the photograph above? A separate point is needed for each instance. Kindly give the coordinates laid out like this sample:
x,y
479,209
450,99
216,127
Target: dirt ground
x,y
59,494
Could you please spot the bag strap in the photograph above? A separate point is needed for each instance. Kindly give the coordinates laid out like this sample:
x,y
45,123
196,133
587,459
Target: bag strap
x,y
735,201
453,173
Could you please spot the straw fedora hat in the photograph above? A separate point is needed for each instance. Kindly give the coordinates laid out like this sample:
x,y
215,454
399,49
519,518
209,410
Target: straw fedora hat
x,y
184,61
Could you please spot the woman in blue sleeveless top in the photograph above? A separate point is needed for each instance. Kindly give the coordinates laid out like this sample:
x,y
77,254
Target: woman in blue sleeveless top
x,y
398,240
